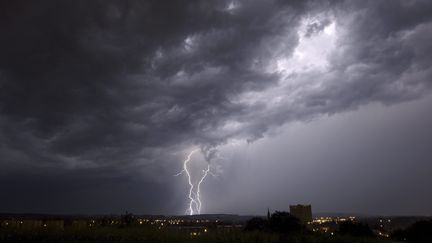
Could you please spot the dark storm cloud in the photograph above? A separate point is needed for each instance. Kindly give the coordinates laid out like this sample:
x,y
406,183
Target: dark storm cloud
x,y
84,79
382,56
117,84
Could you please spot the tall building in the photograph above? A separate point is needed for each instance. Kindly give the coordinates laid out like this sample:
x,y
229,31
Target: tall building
x,y
302,212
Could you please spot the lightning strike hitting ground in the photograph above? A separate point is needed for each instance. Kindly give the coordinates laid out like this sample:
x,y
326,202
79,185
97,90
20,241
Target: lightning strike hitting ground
x,y
194,197
206,171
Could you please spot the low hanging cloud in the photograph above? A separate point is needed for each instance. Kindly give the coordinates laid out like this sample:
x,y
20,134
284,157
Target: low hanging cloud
x,y
118,84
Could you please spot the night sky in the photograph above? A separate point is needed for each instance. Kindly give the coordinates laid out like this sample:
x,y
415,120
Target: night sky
x,y
315,102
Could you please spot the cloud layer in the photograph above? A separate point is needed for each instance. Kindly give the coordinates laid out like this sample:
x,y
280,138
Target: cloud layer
x,y
125,87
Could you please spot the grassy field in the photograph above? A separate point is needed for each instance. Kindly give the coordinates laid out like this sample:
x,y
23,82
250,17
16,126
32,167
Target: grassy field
x,y
155,235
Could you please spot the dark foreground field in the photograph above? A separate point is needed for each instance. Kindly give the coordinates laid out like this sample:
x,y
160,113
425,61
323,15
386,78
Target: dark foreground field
x,y
154,235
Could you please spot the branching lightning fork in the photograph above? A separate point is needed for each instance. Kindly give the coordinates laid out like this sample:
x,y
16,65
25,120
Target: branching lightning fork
x,y
194,197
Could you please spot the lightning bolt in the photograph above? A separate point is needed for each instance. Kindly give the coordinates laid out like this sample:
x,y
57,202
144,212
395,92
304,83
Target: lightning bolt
x,y
194,197
206,171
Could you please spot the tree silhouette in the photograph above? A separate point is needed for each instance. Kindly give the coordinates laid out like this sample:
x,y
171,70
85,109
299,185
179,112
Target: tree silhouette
x,y
256,223
283,222
420,231
127,219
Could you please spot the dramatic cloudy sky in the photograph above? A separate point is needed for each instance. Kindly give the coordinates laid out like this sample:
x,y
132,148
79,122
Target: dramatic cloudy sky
x,y
320,102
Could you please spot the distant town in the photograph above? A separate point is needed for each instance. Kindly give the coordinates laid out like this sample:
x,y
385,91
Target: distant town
x,y
197,225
